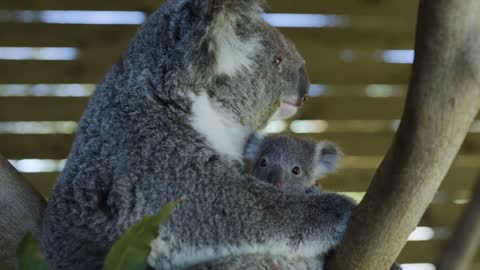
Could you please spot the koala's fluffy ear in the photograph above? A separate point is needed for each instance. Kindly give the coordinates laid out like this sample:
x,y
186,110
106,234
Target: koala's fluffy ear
x,y
252,146
327,157
229,43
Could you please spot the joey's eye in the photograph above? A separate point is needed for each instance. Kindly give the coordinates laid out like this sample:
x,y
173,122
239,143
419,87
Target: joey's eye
x,y
277,61
263,163
296,170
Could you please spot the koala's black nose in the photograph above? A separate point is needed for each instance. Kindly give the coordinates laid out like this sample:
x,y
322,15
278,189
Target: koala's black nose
x,y
303,85
275,176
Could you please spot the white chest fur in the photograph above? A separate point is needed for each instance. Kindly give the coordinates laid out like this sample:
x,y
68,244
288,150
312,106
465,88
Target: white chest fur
x,y
220,128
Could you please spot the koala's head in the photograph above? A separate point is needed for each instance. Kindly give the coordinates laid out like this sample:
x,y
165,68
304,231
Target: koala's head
x,y
224,50
290,163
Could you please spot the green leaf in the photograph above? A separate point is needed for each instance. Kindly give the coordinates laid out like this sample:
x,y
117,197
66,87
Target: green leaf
x,y
29,256
131,250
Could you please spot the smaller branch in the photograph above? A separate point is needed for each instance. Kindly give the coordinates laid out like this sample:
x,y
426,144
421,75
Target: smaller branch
x,y
21,210
463,244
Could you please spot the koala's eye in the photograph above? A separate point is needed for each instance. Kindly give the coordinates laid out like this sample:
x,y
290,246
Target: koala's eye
x,y
277,61
296,170
263,163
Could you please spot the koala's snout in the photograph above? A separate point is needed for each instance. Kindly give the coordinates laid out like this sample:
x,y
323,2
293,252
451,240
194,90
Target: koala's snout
x,y
303,86
275,176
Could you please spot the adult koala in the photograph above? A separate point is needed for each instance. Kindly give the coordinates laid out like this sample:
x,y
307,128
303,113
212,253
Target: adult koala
x,y
171,119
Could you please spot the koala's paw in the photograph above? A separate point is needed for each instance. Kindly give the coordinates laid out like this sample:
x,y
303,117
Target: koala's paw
x,y
396,266
160,254
333,213
314,190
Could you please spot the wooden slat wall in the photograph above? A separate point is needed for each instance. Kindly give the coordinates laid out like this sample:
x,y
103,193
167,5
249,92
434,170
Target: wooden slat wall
x,y
353,7
57,146
372,26
85,36
325,108
82,71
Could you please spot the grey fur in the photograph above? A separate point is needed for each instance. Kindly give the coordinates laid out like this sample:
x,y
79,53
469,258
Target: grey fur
x,y
135,148
262,262
274,159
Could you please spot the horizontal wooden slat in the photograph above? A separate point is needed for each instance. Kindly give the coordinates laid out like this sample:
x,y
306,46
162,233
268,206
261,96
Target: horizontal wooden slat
x,y
357,7
43,181
41,108
307,39
352,108
475,266
442,215
123,5
35,146
357,180
84,36
325,108
420,251
372,162
64,35
356,72
33,71
56,146
424,252
342,108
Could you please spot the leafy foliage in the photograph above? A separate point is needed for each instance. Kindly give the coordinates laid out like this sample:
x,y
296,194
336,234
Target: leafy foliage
x,y
128,253
131,250
29,256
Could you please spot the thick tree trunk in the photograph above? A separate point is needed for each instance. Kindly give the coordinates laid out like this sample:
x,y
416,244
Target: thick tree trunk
x,y
21,210
442,101
463,244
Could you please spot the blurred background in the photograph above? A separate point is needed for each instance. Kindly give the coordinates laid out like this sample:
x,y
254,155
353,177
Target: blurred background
x,y
358,53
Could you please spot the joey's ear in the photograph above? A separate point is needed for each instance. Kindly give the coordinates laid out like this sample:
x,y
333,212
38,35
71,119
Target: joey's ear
x,y
327,157
230,41
252,147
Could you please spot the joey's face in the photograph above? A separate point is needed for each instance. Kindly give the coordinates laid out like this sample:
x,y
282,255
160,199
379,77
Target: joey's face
x,y
292,164
288,175
286,163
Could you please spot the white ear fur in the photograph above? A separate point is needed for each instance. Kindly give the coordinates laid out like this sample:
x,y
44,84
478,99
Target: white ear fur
x,y
232,53
252,146
327,157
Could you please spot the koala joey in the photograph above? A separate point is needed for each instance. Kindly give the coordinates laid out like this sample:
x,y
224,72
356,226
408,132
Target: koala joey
x,y
291,163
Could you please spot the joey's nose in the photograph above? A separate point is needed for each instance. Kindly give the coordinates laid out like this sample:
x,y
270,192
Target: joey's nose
x,y
275,176
303,86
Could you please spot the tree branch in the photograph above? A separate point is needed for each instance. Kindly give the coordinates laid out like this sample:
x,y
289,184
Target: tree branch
x,y
463,244
442,102
21,210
